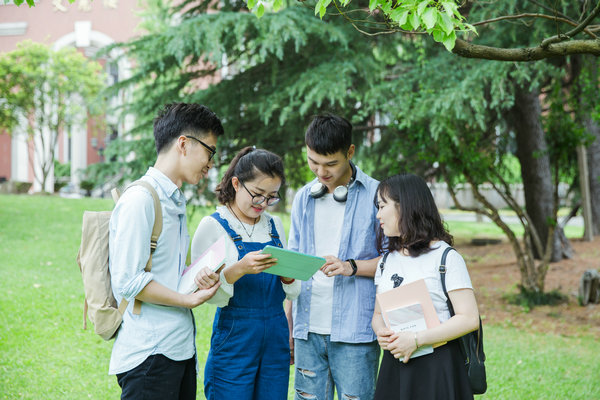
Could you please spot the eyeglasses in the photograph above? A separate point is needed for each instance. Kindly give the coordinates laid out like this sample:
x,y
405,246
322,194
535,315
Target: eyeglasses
x,y
210,149
258,199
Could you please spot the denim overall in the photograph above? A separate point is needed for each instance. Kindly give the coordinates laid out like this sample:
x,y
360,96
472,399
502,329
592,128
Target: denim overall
x,y
249,353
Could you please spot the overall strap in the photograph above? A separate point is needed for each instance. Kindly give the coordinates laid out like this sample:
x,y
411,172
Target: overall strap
x,y
237,239
273,233
443,279
385,256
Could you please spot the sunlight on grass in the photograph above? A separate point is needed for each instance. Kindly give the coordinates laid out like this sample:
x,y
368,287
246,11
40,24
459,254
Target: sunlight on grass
x,y
45,353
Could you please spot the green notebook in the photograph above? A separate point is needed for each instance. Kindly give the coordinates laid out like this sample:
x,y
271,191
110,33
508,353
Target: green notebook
x,y
291,264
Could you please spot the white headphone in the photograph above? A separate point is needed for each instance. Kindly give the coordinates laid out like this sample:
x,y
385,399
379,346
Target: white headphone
x,y
340,193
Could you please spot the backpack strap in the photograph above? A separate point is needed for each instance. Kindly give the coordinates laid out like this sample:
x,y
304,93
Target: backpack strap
x,y
443,279
156,231
385,256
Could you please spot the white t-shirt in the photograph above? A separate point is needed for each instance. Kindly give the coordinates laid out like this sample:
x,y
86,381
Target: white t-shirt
x,y
210,230
426,266
329,219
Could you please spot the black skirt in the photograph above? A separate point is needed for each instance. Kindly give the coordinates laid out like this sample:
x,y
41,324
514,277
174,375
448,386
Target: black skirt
x,y
440,375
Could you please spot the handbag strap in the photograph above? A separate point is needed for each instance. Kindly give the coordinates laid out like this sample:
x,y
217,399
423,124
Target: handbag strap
x,y
385,256
443,270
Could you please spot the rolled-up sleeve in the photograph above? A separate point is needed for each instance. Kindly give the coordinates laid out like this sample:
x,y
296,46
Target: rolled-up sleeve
x,y
129,243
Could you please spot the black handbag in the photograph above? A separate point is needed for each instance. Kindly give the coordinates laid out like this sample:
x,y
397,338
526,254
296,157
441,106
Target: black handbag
x,y
471,344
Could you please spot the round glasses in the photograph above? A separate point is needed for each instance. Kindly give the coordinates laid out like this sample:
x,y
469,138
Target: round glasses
x,y
258,199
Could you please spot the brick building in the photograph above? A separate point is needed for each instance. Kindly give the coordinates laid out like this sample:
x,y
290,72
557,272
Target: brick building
x,y
88,26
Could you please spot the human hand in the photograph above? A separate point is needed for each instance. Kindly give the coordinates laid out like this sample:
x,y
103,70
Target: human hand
x,y
256,262
206,278
403,346
201,295
334,266
384,337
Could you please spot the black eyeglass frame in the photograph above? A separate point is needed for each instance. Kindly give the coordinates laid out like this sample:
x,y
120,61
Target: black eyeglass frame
x,y
210,149
260,196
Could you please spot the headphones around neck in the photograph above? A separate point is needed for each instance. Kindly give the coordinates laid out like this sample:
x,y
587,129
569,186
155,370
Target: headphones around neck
x,y
340,193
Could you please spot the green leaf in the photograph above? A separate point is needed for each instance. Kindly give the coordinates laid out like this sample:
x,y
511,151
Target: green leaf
x,y
373,4
322,11
422,6
318,6
446,23
449,41
415,21
430,17
261,10
399,16
251,4
438,35
277,5
451,8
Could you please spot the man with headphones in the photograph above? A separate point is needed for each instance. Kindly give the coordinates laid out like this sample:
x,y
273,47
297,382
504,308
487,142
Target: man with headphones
x,y
334,217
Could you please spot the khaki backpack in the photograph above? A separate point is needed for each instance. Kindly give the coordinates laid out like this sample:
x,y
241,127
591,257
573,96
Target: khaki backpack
x,y
93,263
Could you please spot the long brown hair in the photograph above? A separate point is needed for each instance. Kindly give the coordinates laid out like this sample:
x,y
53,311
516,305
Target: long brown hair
x,y
419,220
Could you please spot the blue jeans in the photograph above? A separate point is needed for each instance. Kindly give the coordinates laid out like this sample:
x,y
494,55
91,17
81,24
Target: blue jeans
x,y
322,365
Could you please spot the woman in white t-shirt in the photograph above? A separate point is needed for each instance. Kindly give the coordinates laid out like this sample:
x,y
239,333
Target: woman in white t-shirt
x,y
413,232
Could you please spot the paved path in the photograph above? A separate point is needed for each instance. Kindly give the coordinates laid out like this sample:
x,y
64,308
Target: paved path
x,y
511,219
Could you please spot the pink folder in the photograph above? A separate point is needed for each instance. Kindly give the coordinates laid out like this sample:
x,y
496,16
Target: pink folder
x,y
406,295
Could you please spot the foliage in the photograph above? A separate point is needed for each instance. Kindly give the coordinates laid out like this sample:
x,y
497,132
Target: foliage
x,y
268,77
528,299
442,20
48,91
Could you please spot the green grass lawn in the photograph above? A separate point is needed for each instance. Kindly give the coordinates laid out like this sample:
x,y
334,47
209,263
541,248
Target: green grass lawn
x,y
45,353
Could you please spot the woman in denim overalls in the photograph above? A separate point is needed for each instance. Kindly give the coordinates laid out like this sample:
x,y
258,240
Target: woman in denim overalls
x,y
250,352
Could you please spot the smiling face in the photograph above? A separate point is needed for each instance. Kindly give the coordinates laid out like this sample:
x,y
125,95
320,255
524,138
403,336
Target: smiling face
x,y
388,216
332,170
262,185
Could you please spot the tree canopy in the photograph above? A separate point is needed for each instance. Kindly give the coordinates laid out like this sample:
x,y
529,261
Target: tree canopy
x,y
47,92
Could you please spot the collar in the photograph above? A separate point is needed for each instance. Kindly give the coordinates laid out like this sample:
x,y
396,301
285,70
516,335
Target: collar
x,y
163,181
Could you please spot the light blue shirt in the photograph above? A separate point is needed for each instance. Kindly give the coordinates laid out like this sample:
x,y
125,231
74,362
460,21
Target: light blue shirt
x,y
354,296
157,329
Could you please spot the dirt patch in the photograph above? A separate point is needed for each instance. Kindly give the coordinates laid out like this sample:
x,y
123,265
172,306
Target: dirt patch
x,y
494,273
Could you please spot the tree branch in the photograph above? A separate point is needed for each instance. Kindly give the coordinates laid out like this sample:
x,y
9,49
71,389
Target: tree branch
x,y
561,37
533,15
470,50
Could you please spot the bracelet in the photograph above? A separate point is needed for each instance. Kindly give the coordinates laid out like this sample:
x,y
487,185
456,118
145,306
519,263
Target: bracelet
x,y
353,265
416,342
287,282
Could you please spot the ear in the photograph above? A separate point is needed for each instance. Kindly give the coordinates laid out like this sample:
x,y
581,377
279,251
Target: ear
x,y
350,153
235,182
182,145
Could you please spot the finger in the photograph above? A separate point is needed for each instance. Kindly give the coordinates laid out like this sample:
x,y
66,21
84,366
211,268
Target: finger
x,y
406,358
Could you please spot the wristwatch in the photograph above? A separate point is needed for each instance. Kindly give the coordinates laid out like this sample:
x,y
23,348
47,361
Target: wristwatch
x,y
353,265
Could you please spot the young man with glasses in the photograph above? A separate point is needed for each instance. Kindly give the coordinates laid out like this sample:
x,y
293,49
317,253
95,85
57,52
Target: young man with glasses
x,y
154,353
333,216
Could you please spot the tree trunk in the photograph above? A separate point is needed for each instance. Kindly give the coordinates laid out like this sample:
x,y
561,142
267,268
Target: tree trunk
x,y
593,153
535,166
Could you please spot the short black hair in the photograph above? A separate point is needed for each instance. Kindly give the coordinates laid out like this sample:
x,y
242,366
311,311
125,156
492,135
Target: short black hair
x,y
328,134
246,165
420,221
175,119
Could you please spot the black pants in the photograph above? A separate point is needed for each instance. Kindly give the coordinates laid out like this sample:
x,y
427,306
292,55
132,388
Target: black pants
x,y
159,378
